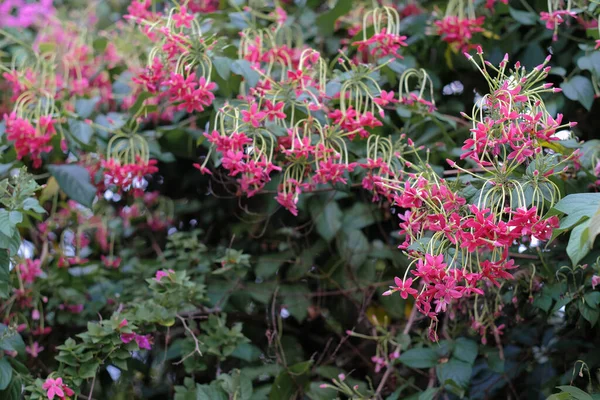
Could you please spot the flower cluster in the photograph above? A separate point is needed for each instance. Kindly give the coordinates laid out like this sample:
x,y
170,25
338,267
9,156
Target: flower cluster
x,y
56,388
23,14
30,140
460,242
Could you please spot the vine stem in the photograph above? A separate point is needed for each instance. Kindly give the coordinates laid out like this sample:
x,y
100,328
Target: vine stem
x,y
390,368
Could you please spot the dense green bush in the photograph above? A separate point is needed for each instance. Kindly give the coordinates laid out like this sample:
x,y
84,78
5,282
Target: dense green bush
x,y
299,199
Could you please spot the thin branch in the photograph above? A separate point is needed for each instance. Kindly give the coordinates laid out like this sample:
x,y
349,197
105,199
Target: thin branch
x,y
196,341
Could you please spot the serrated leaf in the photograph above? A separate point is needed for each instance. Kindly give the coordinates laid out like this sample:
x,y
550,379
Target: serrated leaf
x,y
75,181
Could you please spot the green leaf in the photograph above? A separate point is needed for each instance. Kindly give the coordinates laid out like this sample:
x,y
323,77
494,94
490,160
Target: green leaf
x,y
32,204
578,246
360,216
244,69
223,66
591,314
12,243
288,382
7,226
523,17
13,391
592,299
6,373
326,21
85,107
575,392
465,350
428,394
456,371
10,340
579,88
74,180
594,225
354,247
247,352
419,358
135,109
590,63
210,392
81,131
89,369
4,274
327,217
580,204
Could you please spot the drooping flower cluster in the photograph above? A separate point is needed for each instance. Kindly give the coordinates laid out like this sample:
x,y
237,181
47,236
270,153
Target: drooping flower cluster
x,y
125,177
386,41
23,14
461,240
29,140
459,24
555,16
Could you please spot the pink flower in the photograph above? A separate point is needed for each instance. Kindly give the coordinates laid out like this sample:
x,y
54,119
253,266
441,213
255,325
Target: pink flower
x,y
56,387
123,324
402,287
30,270
161,274
127,337
253,116
595,281
274,110
385,98
143,341
183,18
34,349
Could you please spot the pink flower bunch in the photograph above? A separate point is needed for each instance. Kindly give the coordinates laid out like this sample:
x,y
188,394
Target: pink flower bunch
x,y
127,177
190,93
382,44
34,349
511,131
459,248
554,19
203,6
23,14
491,3
458,32
29,140
56,388
30,270
111,262
143,341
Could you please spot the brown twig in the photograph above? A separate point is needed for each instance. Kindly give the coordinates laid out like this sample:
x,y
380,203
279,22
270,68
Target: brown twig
x,y
196,341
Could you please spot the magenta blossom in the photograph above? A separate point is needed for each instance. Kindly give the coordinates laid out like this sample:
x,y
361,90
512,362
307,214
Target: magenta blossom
x,y
56,387
403,287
